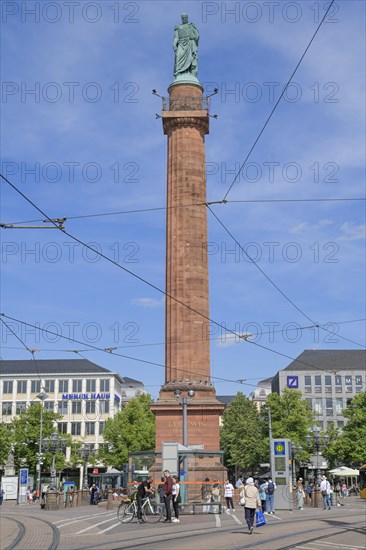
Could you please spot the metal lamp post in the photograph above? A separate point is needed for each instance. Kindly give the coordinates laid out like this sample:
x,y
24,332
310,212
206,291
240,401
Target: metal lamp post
x,y
54,444
41,396
184,402
85,451
317,442
295,450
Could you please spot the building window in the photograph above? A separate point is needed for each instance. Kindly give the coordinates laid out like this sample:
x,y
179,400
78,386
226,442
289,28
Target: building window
x,y
321,426
35,386
101,428
91,386
63,386
76,386
49,386
104,385
76,407
340,424
329,406
62,427
318,383
8,386
49,406
339,405
328,383
104,407
318,407
20,407
22,386
358,380
348,383
90,407
75,428
89,428
307,384
62,407
338,384
6,409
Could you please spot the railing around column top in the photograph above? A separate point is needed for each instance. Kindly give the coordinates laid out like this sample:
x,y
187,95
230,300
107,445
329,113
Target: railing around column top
x,y
184,103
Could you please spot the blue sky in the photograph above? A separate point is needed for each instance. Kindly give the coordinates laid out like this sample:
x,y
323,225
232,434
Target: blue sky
x,y
87,141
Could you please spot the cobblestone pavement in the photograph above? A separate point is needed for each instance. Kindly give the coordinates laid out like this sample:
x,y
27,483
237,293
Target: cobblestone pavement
x,y
30,528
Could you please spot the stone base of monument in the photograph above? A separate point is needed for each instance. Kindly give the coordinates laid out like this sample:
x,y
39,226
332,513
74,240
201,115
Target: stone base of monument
x,y
52,500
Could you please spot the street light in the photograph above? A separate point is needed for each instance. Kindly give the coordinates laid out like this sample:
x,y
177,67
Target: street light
x,y
84,452
317,442
295,451
41,396
54,444
184,401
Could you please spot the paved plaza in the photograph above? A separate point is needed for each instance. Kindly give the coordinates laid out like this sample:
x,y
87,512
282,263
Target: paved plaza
x,y
30,528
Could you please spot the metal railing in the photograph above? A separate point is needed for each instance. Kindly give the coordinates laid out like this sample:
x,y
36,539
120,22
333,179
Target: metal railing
x,y
186,103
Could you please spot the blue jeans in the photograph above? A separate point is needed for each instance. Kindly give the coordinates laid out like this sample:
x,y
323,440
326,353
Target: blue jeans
x,y
270,502
326,499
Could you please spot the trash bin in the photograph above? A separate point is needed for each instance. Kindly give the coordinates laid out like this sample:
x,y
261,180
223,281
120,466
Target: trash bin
x,y
333,499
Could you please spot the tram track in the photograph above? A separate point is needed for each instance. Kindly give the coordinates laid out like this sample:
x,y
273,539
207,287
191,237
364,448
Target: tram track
x,y
23,530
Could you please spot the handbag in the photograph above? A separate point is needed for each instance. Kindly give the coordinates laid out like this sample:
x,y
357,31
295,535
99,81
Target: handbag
x,y
242,499
259,519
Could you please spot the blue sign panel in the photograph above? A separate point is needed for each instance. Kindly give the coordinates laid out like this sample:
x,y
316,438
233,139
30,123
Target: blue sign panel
x,y
292,381
279,448
23,477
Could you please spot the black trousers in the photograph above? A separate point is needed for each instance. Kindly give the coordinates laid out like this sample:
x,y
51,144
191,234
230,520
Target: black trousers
x,y
175,507
139,506
229,501
167,500
249,516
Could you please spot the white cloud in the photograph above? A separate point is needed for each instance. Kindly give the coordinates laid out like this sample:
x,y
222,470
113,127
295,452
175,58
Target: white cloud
x,y
352,232
148,302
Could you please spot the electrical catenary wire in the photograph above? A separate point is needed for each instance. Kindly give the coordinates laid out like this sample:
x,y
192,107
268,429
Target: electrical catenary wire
x,y
278,101
142,210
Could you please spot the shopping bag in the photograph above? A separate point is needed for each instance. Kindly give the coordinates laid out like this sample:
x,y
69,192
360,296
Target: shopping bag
x,y
259,519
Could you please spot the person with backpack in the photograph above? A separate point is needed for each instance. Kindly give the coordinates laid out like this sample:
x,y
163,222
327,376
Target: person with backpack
x,y
270,489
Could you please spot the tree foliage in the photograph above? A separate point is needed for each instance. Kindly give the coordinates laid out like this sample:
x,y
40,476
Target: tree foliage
x,y
132,429
352,446
6,442
291,417
241,435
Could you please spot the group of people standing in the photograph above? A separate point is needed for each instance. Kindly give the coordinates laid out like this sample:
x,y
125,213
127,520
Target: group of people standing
x,y
168,491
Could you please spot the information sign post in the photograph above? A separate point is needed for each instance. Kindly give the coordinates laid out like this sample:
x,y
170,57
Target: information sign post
x,y
281,467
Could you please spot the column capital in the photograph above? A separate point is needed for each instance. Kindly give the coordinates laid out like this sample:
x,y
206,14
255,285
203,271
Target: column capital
x,y
185,120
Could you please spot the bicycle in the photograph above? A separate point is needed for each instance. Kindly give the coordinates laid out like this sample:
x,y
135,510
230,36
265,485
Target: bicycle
x,y
151,511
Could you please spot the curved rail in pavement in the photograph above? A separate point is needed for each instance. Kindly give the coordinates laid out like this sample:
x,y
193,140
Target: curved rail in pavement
x,y
23,529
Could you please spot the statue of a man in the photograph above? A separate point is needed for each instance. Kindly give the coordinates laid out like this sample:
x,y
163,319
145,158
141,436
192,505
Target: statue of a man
x,y
185,45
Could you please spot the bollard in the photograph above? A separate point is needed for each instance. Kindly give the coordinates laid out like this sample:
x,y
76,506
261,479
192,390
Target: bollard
x,y
75,499
52,500
110,503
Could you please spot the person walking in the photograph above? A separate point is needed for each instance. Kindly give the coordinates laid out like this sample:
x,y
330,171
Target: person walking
x,y
228,494
326,490
167,488
2,494
270,489
252,502
300,494
263,496
206,495
176,498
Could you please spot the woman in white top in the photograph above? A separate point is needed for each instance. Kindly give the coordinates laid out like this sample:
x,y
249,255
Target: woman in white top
x,y
176,498
228,494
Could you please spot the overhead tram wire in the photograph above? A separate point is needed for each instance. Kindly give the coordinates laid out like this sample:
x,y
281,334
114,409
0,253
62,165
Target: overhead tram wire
x,y
275,285
112,352
142,210
278,101
223,338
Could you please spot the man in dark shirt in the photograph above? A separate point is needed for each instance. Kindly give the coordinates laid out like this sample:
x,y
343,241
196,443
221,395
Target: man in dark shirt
x,y
167,487
144,489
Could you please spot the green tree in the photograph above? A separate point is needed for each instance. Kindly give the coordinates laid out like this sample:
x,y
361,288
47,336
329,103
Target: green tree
x,y
352,447
241,433
6,442
291,417
26,434
332,450
132,429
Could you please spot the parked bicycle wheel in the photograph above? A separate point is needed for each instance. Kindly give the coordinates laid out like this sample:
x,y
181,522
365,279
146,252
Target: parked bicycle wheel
x,y
152,512
126,512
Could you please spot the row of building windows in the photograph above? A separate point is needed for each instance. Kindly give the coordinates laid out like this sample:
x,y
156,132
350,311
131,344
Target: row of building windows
x,y
63,407
328,405
75,428
339,383
49,386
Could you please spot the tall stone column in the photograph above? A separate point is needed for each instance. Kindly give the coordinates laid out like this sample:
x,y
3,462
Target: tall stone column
x,y
187,347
